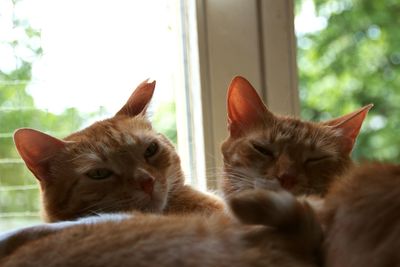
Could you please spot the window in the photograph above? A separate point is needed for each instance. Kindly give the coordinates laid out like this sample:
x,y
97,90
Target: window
x,y
89,55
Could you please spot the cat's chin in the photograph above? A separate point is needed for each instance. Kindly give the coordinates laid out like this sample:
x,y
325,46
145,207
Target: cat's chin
x,y
155,204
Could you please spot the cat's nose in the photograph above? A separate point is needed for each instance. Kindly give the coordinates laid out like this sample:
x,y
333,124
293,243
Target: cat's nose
x,y
147,185
287,180
145,180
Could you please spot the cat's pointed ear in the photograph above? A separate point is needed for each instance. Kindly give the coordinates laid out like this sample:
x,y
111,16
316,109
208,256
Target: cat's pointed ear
x,y
349,126
139,100
36,148
245,107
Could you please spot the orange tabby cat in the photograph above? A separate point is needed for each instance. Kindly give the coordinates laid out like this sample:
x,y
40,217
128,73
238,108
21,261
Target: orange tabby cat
x,y
262,147
118,164
362,213
274,230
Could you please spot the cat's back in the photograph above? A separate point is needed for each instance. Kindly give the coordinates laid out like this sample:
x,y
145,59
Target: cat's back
x,y
364,218
149,240
152,240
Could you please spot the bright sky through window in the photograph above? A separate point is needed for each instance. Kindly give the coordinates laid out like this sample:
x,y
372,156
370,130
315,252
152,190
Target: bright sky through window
x,y
95,52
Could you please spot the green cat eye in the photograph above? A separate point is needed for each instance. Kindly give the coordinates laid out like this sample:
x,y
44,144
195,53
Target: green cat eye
x,y
151,150
99,174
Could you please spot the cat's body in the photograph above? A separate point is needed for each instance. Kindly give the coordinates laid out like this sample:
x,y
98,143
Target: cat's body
x,y
304,157
362,217
274,230
117,165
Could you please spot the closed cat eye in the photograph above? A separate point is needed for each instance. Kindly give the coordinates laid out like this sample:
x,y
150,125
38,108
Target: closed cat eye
x,y
151,150
316,159
263,150
99,174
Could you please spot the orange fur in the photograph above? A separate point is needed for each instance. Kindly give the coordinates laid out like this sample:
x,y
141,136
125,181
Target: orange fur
x,y
304,157
362,218
285,234
116,165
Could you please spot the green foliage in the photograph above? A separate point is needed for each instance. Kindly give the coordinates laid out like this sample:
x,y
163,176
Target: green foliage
x,y
19,195
164,121
354,61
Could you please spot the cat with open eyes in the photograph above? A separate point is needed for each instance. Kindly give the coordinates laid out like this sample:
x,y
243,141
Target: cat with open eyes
x,y
115,166
120,164
303,157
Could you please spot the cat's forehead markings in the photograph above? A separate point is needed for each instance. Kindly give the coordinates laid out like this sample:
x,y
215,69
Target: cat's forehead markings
x,y
91,156
288,131
105,149
87,162
129,139
133,124
308,134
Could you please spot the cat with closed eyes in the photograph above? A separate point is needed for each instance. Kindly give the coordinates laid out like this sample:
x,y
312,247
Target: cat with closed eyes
x,y
263,148
120,164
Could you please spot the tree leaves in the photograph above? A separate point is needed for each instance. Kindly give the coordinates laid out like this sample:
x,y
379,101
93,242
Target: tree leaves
x,y
354,61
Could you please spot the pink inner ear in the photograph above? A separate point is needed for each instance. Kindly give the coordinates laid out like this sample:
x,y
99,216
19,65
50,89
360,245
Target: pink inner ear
x,y
139,100
36,148
245,107
362,111
350,126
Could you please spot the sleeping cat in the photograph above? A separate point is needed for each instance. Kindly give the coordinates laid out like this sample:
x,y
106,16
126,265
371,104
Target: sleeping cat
x,y
362,217
116,165
267,229
304,157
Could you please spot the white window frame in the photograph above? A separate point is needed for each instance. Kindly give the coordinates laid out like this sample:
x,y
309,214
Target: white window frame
x,y
252,38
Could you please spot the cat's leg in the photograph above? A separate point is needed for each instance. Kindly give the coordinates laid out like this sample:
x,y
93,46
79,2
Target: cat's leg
x,y
186,199
12,240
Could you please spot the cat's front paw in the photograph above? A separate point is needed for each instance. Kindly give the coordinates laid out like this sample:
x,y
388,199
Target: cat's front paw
x,y
264,207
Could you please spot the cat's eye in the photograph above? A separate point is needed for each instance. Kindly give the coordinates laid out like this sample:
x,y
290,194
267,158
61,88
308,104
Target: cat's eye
x,y
263,150
317,159
151,150
99,174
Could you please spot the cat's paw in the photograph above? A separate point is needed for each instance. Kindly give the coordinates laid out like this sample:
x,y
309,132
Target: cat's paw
x,y
279,210
264,207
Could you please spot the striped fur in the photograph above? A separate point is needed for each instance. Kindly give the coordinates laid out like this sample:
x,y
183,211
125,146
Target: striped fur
x,y
117,145
303,156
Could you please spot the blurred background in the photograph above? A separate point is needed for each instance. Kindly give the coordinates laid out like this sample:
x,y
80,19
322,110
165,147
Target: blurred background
x,y
65,64
348,54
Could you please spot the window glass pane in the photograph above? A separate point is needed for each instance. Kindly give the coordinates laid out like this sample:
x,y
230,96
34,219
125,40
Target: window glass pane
x,y
348,56
65,64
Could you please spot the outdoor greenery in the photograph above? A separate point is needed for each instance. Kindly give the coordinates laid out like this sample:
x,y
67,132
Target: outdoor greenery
x,y
19,202
354,61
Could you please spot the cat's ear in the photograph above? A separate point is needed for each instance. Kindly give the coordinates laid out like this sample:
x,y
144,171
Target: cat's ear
x,y
139,100
245,107
36,148
349,126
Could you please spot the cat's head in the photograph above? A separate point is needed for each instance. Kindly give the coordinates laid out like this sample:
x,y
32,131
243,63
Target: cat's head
x,y
264,149
118,164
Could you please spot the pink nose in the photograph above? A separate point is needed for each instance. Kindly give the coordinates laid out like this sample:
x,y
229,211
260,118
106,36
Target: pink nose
x,y
147,185
287,180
